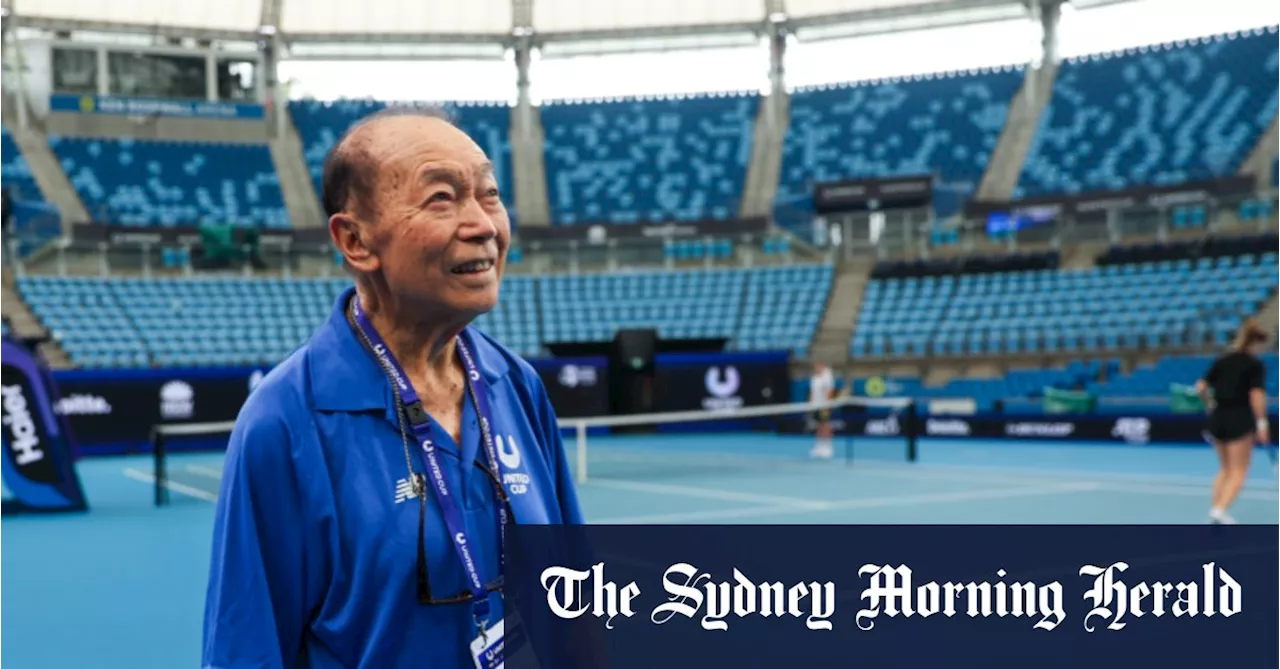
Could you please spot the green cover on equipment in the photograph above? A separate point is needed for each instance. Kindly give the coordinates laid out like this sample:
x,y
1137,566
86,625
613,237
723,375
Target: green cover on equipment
x,y
1057,400
1184,399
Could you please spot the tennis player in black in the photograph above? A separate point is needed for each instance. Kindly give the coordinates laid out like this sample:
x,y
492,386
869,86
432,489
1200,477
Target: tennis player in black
x,y
1234,391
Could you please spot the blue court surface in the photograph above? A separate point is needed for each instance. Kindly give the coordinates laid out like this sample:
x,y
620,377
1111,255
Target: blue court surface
x,y
123,586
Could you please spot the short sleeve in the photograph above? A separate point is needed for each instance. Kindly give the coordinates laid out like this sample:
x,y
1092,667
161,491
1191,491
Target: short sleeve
x,y
1257,376
553,444
256,603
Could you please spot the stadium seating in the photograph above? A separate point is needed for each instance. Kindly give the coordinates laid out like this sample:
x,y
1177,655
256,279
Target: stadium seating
x,y
944,125
321,124
216,322
1155,380
167,183
1154,115
15,174
1150,304
641,160
232,321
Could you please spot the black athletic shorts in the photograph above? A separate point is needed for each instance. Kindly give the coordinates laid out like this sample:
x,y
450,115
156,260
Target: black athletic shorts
x,y
822,415
1232,423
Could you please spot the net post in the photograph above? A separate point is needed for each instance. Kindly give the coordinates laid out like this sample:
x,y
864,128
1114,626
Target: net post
x,y
158,468
582,450
913,424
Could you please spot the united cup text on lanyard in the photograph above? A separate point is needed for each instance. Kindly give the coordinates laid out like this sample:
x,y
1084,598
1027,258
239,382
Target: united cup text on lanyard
x,y
427,435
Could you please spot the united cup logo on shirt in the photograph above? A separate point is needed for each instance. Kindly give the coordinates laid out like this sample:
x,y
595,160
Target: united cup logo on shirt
x,y
517,482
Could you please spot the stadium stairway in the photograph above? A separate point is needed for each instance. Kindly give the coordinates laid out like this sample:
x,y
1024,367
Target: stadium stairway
x,y
1269,314
25,324
47,171
831,344
1259,161
766,155
305,210
1011,150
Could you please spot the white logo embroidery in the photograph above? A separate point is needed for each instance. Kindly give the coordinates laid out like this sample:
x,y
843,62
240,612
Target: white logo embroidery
x,y
405,491
508,453
428,446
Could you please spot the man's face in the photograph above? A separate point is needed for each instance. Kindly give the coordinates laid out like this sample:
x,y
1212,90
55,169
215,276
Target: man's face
x,y
440,231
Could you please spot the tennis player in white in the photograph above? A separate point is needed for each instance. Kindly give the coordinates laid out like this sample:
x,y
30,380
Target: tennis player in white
x,y
822,387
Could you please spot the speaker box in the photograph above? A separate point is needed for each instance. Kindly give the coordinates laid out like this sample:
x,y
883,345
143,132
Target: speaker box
x,y
631,371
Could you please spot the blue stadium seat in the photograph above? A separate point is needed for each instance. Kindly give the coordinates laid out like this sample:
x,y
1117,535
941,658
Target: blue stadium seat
x,y
15,174
647,160
167,183
943,125
1154,115
1106,308
321,124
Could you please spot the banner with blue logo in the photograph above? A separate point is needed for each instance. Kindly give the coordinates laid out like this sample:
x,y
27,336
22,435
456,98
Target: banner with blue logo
x,y
692,597
38,464
97,104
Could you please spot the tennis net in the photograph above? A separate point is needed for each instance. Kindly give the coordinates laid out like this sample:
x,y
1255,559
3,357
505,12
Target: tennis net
x,y
659,446
651,446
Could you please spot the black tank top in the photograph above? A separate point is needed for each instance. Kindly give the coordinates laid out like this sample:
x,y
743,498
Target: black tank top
x,y
1231,378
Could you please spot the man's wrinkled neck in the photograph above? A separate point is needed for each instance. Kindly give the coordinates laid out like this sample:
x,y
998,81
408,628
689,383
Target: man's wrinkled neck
x,y
423,343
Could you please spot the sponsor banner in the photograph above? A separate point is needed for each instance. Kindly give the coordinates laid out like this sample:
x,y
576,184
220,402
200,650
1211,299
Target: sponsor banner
x,y
114,410
1136,429
578,387
873,194
1097,203
719,382
791,595
187,234
39,447
124,106
597,234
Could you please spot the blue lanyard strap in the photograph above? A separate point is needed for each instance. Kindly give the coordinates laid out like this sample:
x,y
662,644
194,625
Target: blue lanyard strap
x,y
424,432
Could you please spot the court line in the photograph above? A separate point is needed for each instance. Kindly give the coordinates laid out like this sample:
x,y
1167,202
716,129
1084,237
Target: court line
x,y
197,493
708,493
869,502
208,472
1138,483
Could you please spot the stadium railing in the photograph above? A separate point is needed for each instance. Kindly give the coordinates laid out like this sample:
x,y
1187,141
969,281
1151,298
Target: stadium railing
x,y
791,424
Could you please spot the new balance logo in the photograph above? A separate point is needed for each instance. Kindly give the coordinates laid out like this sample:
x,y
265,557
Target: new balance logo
x,y
404,490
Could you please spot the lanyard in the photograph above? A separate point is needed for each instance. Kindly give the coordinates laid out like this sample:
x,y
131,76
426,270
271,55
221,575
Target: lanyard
x,y
426,435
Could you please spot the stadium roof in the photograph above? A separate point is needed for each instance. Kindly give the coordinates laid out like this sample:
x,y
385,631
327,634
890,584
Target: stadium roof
x,y
468,20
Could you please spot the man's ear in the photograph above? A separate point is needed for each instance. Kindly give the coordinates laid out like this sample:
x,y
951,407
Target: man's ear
x,y
351,238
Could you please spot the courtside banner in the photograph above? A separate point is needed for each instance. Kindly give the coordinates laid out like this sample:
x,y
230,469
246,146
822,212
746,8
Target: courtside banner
x,y
577,387
38,465
720,381
113,411
693,597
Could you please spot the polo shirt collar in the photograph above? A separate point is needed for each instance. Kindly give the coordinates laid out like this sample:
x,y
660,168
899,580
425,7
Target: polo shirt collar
x,y
346,377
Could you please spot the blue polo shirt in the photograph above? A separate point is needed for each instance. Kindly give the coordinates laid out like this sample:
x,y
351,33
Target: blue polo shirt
x,y
314,545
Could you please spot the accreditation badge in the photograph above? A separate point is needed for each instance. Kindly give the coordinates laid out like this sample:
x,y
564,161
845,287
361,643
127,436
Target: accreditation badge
x,y
490,649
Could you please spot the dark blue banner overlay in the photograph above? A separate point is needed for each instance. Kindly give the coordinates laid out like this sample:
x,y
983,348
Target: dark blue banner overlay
x,y
885,596
38,464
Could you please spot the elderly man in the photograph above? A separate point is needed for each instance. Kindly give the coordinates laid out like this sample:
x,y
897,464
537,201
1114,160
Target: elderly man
x,y
369,476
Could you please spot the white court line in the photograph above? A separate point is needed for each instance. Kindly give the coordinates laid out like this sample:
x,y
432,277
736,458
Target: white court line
x,y
208,472
870,502
1139,483
176,487
708,493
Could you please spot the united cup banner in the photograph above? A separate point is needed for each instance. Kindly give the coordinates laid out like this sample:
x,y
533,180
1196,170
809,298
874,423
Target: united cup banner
x,y
39,474
695,597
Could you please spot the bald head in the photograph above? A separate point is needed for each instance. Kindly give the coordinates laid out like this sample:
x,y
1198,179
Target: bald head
x,y
351,169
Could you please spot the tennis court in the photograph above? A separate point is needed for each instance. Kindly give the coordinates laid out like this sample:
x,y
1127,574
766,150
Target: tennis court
x,y
123,586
